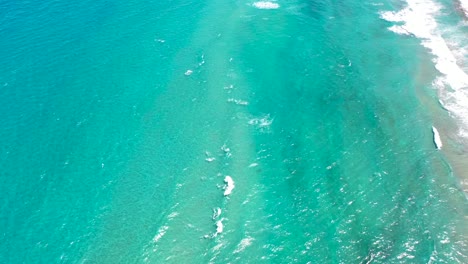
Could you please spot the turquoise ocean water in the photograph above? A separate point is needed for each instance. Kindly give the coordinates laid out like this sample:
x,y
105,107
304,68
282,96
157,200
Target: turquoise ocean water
x,y
121,120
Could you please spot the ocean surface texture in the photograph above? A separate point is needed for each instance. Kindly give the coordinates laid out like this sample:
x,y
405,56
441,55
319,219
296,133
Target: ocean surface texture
x,y
234,131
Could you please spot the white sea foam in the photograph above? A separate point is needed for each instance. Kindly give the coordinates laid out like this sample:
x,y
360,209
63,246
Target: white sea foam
x,y
160,234
238,101
464,6
253,165
243,244
219,227
172,215
216,213
225,148
229,185
209,157
264,121
266,5
419,19
437,140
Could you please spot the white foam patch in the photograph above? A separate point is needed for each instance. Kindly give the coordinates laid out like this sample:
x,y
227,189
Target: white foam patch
x,y
253,165
243,244
419,19
219,228
160,234
217,247
261,122
437,140
216,213
226,150
464,6
172,215
229,185
399,30
209,157
266,5
237,101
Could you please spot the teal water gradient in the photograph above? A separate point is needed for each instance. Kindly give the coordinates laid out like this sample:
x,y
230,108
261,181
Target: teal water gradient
x,y
104,139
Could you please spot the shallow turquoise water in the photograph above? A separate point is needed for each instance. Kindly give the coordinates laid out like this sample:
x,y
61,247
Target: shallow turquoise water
x,y
104,138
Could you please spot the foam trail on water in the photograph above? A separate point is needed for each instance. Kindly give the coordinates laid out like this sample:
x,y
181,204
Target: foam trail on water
x,y
419,20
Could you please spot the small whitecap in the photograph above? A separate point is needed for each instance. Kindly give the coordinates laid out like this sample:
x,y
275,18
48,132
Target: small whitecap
x,y
225,149
265,5
172,215
219,226
229,185
237,101
216,213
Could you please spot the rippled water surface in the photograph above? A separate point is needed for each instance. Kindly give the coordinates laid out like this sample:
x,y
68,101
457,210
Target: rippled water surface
x,y
122,121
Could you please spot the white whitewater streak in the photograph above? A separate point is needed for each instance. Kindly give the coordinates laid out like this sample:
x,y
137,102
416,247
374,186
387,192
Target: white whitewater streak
x,y
172,215
264,121
464,6
219,227
216,213
237,101
266,5
229,185
160,234
437,140
243,244
209,157
225,148
152,246
419,20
